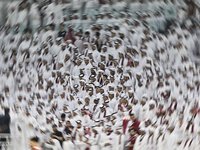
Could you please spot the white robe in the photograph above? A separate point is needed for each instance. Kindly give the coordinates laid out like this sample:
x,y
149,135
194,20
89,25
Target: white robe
x,y
94,141
22,18
68,145
105,139
140,145
26,120
34,16
118,142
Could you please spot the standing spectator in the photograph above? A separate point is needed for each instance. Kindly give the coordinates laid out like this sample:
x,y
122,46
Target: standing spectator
x,y
70,35
34,16
98,41
22,20
62,33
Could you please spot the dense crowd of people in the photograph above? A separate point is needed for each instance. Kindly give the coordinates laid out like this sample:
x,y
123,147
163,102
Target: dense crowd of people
x,y
100,75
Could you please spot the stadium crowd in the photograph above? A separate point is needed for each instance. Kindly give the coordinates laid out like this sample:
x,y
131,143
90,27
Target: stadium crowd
x,y
101,75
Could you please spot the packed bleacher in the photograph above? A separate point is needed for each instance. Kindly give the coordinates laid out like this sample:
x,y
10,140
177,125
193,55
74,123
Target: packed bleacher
x,y
100,75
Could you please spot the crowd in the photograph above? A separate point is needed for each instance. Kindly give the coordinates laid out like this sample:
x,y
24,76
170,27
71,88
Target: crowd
x,y
101,75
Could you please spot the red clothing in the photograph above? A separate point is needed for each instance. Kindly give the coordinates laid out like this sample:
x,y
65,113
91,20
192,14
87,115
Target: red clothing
x,y
129,61
101,2
132,139
136,125
125,123
172,108
70,36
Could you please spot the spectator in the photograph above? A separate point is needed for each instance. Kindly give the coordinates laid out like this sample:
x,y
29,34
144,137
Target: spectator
x,y
62,33
68,128
57,134
34,143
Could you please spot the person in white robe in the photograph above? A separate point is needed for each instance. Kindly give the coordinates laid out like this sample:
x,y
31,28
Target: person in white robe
x,y
68,144
22,16
143,109
170,137
29,123
52,144
19,137
141,140
42,135
11,18
105,143
94,138
77,6
77,134
150,114
85,118
54,13
181,14
34,16
90,8
118,141
79,41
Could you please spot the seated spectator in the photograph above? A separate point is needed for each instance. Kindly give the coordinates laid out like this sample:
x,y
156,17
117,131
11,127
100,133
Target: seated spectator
x,y
132,139
57,134
68,128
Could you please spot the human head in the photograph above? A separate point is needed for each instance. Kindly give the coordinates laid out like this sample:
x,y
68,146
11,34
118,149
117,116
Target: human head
x,y
6,110
79,125
68,123
33,142
132,116
54,127
63,117
132,132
